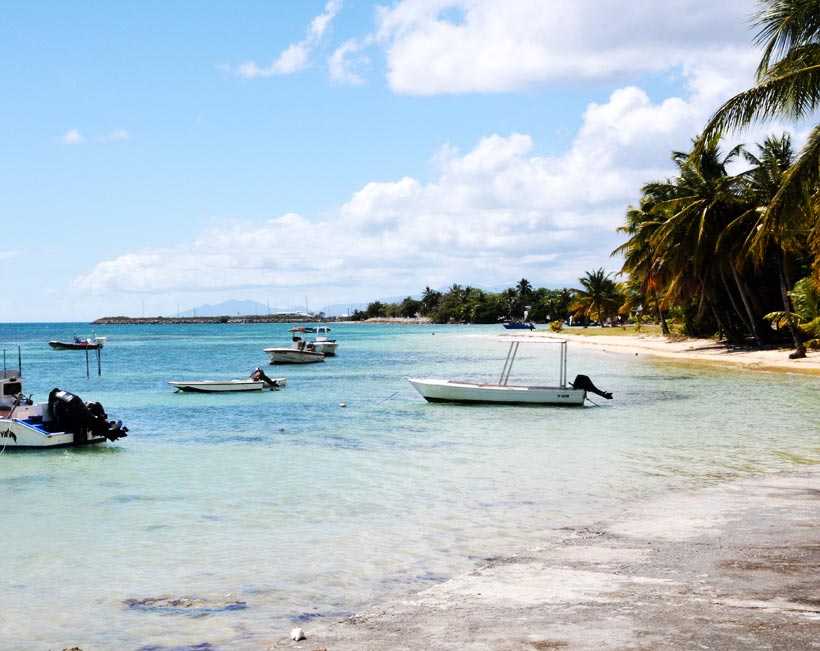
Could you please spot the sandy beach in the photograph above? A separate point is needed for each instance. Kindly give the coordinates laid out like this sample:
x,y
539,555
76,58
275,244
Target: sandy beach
x,y
695,350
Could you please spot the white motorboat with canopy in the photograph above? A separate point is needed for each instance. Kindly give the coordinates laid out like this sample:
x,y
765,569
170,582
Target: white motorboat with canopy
x,y
502,392
321,343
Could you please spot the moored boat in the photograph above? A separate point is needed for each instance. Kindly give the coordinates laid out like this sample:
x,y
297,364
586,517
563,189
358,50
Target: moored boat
x,y
300,352
518,325
256,382
64,421
502,392
78,343
321,342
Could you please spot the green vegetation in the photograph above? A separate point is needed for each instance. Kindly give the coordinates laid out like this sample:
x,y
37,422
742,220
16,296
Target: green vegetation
x,y
725,250
471,305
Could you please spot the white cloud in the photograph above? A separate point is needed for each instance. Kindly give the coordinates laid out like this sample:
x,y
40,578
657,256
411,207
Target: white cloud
x,y
343,60
463,46
295,57
496,208
72,137
116,134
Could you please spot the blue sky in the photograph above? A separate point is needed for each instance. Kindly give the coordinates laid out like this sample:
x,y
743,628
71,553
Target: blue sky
x,y
162,155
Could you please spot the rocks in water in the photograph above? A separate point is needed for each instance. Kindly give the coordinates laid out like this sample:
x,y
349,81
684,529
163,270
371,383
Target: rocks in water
x,y
185,605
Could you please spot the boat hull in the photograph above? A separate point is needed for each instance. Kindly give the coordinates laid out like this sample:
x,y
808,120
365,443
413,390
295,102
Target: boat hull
x,y
67,345
327,348
474,392
224,386
293,356
31,432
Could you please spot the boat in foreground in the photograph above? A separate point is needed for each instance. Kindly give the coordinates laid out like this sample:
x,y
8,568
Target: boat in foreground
x,y
256,382
502,392
507,394
64,421
78,343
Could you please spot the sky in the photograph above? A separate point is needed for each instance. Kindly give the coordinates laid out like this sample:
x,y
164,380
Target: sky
x,y
161,155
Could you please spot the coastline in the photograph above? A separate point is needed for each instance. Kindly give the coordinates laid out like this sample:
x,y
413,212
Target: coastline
x,y
729,566
694,350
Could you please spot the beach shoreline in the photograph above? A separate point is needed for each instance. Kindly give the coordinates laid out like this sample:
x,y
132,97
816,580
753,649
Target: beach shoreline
x,y
707,351
729,566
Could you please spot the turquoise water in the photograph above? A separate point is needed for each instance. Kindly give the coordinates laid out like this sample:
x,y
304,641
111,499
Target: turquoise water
x,y
222,521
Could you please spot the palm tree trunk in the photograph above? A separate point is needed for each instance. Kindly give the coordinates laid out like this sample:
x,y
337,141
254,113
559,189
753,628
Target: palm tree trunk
x,y
799,348
741,290
737,311
664,324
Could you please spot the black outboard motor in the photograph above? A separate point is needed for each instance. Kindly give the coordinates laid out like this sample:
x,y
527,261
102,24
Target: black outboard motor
x,y
259,374
72,414
583,382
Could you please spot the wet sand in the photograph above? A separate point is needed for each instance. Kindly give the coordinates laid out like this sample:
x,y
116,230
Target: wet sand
x,y
731,567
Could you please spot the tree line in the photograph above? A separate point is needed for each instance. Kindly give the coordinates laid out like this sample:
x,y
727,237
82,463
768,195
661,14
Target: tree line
x,y
598,299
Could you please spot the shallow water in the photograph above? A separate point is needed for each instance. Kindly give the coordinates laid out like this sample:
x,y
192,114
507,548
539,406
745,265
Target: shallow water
x,y
223,520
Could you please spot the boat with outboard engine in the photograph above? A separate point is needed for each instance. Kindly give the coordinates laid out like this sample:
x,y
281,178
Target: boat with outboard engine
x,y
257,381
78,343
502,392
65,420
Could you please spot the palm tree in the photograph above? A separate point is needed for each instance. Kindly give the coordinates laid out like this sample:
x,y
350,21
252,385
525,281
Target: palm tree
x,y
646,270
694,209
768,237
511,303
430,300
788,85
524,289
599,298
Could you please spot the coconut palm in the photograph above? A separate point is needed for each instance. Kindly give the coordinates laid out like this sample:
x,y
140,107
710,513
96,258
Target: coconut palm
x,y
694,208
599,297
524,289
430,300
769,240
645,269
788,85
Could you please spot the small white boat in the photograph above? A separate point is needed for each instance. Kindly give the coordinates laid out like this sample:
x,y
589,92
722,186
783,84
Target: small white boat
x,y
321,342
65,420
503,392
256,382
300,352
